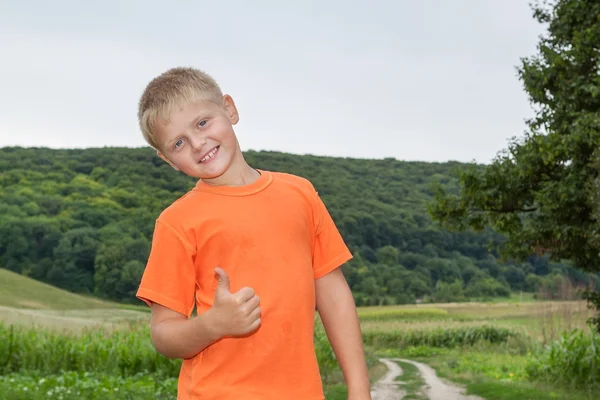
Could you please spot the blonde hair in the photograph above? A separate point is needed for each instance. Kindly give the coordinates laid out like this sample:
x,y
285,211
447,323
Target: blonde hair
x,y
171,89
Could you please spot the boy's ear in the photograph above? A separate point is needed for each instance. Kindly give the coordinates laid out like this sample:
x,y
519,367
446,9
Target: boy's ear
x,y
231,109
161,155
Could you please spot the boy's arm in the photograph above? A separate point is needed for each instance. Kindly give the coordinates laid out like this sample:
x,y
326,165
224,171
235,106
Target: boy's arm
x,y
232,314
176,336
338,313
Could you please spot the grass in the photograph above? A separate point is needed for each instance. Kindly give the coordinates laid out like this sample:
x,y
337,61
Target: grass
x,y
492,390
543,321
37,363
336,391
379,314
71,320
439,337
494,372
333,381
413,383
485,346
56,344
19,291
90,386
515,297
573,360
492,362
27,302
498,369
122,352
91,364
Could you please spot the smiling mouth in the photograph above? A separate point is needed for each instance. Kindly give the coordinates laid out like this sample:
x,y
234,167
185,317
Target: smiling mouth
x,y
210,155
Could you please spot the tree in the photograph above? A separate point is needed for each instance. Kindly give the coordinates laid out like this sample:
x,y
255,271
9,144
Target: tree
x,y
119,267
74,258
449,292
387,255
486,288
543,191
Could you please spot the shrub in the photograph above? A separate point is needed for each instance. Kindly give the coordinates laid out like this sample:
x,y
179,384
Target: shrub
x,y
571,360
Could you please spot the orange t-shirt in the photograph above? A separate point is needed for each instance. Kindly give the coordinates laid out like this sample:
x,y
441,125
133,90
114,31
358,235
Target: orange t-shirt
x,y
274,235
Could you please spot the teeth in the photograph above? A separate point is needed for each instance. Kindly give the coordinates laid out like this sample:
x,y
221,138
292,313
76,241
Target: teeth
x,y
209,155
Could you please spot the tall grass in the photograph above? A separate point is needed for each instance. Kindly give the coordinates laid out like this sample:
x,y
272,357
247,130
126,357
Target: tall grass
x,y
122,352
554,319
439,337
40,364
572,360
402,314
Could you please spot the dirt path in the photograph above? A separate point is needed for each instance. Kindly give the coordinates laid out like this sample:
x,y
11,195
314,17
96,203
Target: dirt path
x,y
388,387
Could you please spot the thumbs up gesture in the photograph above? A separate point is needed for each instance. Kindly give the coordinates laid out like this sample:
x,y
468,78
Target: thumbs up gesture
x,y
237,314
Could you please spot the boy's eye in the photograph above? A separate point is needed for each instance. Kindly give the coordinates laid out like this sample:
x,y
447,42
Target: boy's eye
x,y
178,143
202,123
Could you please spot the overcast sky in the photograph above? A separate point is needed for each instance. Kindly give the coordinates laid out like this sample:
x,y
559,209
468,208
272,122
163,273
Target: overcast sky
x,y
431,80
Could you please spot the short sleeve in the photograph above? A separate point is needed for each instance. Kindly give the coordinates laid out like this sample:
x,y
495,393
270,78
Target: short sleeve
x,y
330,251
169,278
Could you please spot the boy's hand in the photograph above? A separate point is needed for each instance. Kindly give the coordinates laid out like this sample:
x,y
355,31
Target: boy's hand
x,y
235,314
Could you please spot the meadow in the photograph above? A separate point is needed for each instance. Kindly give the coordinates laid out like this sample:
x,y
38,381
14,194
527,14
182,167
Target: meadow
x,y
56,346
518,349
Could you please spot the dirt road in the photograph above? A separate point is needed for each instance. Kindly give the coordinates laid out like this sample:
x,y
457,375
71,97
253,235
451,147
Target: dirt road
x,y
390,386
387,388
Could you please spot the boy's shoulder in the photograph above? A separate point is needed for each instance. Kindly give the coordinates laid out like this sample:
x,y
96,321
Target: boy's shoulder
x,y
177,210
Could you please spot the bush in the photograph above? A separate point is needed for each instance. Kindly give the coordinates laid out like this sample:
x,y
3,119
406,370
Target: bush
x,y
572,360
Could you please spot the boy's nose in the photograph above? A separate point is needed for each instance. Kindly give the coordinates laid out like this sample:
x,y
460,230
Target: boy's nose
x,y
198,143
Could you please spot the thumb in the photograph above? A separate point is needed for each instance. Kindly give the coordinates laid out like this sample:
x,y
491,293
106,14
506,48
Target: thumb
x,y
223,280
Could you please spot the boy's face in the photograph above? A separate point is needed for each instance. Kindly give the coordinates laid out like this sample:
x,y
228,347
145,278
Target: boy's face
x,y
199,139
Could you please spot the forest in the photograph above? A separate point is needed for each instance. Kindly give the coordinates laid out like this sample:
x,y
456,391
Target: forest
x,y
82,220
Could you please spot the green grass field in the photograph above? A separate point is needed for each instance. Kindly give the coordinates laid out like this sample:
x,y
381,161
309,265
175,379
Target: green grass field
x,y
27,302
55,344
538,320
448,338
22,292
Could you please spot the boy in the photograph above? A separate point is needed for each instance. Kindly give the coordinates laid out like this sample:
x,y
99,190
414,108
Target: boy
x,y
255,251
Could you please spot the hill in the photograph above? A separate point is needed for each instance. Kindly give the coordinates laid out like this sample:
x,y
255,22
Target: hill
x,y
25,301
22,292
82,220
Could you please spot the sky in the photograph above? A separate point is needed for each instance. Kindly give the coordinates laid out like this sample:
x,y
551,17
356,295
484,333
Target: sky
x,y
427,80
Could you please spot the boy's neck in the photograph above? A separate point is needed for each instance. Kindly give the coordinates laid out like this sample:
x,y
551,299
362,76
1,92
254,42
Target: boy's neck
x,y
240,175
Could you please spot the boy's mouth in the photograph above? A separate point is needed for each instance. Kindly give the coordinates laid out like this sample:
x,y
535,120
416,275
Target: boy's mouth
x,y
210,155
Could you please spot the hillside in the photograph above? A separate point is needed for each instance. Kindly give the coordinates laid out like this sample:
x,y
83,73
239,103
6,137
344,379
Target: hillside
x,y
25,301
82,220
22,292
